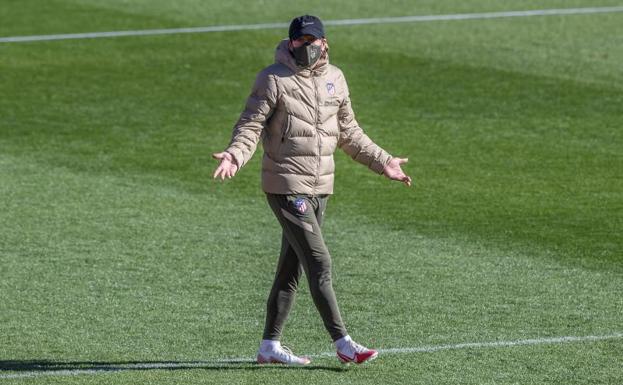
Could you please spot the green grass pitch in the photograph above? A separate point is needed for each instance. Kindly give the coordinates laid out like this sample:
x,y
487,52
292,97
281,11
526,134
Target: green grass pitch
x,y
117,247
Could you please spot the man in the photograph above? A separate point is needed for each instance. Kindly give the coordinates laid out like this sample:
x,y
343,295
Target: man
x,y
301,109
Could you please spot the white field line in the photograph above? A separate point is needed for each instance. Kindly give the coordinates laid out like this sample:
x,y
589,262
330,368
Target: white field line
x,y
103,368
344,22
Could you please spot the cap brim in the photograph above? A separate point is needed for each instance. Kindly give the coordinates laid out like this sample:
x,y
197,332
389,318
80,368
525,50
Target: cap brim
x,y
308,31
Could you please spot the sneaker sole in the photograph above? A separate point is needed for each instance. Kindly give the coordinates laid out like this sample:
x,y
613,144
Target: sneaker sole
x,y
263,361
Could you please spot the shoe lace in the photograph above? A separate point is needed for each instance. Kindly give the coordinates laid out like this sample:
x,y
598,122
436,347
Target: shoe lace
x,y
286,354
287,350
358,348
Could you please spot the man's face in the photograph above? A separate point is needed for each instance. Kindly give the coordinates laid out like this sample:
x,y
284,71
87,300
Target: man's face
x,y
307,50
308,38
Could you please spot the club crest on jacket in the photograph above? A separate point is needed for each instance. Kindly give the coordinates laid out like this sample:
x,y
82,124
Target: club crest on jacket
x,y
331,88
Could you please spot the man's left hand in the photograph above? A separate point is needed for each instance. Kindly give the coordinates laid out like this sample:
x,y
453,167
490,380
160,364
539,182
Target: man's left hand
x,y
394,172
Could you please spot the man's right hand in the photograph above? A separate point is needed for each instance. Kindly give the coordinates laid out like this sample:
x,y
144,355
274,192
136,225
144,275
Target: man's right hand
x,y
227,168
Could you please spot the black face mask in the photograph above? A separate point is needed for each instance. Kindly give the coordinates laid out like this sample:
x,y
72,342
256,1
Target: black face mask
x,y
307,54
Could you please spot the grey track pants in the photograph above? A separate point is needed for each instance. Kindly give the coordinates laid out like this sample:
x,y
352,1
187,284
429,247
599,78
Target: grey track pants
x,y
302,249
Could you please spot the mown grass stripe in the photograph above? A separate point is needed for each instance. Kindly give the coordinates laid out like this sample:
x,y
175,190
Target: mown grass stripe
x,y
343,22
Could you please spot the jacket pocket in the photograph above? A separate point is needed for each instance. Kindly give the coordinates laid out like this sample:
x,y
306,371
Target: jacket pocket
x,y
335,102
286,129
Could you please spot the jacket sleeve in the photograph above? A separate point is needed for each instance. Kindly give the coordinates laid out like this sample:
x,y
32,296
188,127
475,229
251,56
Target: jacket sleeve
x,y
247,131
355,142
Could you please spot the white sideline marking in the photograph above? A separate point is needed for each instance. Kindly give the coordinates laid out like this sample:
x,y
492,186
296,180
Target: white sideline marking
x,y
375,20
499,344
225,362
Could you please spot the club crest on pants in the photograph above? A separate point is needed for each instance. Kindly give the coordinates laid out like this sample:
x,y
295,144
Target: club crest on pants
x,y
300,205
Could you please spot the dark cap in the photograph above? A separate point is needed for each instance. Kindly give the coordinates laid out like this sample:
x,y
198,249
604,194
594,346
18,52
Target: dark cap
x,y
306,25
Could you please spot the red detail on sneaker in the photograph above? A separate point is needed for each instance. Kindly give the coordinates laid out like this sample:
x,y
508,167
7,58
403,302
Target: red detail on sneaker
x,y
359,358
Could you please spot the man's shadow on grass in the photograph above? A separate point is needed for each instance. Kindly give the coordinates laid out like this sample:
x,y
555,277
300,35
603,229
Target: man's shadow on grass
x,y
75,367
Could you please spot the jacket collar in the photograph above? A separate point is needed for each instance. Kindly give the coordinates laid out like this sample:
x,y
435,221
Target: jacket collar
x,y
284,56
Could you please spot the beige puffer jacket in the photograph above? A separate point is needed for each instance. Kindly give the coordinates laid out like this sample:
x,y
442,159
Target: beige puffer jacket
x,y
302,115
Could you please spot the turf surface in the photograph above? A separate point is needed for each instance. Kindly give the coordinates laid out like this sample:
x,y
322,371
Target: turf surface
x,y
117,247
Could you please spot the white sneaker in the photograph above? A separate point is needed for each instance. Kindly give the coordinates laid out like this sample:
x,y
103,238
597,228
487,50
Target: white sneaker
x,y
280,355
350,351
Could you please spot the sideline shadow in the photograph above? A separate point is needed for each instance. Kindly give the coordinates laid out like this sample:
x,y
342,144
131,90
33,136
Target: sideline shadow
x,y
117,366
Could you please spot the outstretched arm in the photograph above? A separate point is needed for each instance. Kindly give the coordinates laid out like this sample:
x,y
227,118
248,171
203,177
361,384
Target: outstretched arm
x,y
362,149
248,129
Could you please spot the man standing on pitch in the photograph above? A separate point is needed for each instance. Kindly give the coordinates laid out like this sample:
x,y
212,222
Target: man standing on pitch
x,y
301,109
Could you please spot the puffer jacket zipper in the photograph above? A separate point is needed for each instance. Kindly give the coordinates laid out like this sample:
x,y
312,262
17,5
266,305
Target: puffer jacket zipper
x,y
316,122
